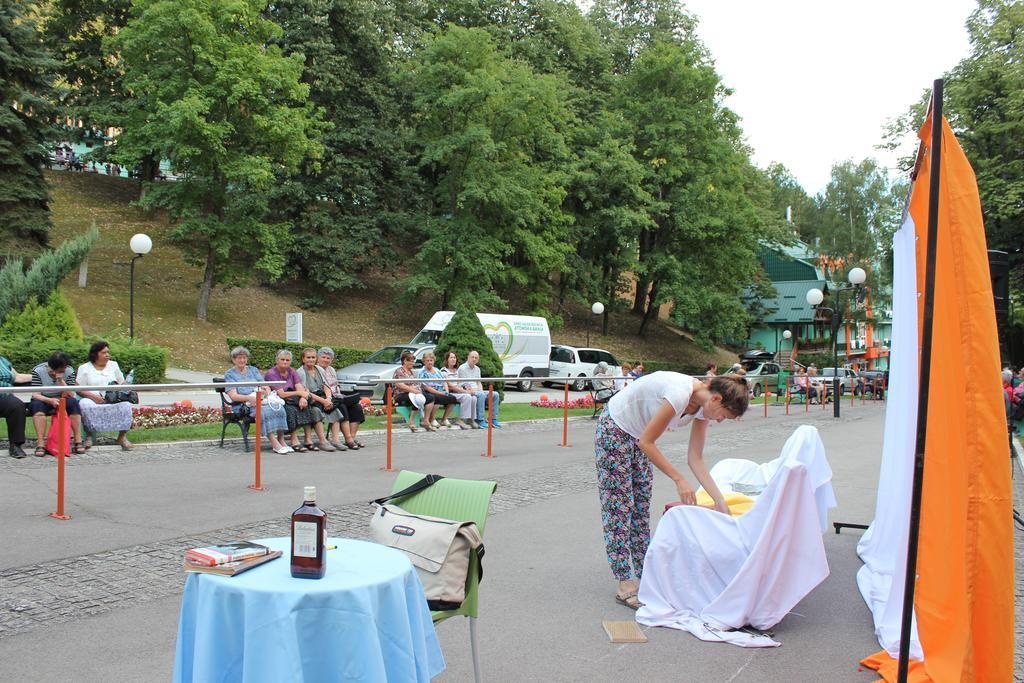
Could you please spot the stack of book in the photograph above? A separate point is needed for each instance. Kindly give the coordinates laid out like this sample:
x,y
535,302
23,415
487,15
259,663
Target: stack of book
x,y
228,559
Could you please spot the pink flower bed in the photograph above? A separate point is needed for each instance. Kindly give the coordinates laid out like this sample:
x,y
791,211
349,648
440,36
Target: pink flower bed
x,y
146,417
585,402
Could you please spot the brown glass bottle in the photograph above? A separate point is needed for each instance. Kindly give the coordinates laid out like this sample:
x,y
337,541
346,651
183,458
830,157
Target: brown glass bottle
x,y
309,531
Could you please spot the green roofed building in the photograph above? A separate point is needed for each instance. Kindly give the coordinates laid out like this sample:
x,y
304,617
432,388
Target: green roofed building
x,y
793,271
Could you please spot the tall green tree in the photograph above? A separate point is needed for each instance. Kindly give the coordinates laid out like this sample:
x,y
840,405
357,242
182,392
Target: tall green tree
x,y
89,86
787,195
701,249
858,211
214,95
25,122
360,198
489,142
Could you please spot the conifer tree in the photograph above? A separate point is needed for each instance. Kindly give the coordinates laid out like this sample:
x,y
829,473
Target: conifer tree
x,y
24,127
18,286
463,334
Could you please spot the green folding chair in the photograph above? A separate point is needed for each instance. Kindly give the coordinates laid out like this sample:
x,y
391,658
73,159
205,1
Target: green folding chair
x,y
464,500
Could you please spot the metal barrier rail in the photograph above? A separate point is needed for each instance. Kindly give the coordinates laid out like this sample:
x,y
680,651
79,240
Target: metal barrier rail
x,y
62,417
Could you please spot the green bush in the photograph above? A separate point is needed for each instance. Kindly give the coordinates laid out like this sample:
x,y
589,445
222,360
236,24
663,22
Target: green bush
x,y
463,334
53,320
262,352
656,365
149,362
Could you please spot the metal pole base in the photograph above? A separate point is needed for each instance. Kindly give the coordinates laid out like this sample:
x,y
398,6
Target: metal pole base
x,y
254,487
845,525
61,517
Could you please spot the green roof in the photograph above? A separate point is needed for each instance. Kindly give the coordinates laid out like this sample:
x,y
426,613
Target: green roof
x,y
784,266
790,306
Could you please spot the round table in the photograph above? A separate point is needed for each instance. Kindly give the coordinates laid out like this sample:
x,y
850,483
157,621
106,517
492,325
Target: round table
x,y
365,620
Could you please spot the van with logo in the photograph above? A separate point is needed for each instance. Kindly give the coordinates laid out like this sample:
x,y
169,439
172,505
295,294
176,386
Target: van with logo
x,y
522,342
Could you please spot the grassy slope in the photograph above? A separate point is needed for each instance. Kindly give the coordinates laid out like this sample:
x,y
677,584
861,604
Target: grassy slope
x,y
166,291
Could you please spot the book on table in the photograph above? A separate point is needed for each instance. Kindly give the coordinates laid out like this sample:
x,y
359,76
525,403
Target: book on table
x,y
232,568
233,551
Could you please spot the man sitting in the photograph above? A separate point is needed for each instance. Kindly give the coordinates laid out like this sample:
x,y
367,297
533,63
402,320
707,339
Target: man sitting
x,y
471,371
55,372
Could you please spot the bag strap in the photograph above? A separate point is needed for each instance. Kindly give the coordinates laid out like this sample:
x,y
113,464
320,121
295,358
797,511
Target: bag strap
x,y
424,483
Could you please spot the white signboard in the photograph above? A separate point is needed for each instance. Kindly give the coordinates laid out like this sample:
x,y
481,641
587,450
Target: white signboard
x,y
293,327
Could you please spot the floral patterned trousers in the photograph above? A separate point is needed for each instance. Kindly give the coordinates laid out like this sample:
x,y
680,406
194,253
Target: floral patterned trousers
x,y
624,476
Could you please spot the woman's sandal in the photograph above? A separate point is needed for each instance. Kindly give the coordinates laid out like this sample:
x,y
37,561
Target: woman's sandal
x,y
298,447
629,600
88,443
351,445
80,448
40,452
311,447
413,428
359,444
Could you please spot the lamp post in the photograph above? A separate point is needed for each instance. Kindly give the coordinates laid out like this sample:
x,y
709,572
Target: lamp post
x,y
140,245
786,334
597,309
814,298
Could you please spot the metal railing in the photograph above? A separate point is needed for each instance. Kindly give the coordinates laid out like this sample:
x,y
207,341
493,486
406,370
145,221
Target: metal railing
x,y
62,416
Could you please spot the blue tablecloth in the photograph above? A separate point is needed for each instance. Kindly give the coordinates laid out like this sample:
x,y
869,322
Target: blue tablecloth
x,y
366,620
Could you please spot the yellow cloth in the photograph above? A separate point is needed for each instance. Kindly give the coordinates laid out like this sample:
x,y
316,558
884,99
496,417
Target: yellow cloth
x,y
737,502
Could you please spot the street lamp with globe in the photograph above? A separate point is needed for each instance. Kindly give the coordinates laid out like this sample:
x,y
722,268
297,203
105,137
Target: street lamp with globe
x,y
140,245
856,276
597,309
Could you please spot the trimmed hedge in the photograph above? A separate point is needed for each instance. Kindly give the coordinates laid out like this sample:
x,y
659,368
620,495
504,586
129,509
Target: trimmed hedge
x,y
149,362
262,352
655,365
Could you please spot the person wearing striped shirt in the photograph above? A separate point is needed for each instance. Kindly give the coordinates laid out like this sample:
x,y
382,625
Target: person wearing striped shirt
x,y
56,372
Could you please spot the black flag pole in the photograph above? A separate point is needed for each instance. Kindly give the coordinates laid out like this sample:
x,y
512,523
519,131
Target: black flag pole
x,y
924,382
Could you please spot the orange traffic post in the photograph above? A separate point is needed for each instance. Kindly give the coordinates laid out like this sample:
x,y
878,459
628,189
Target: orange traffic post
x,y
490,420
853,395
787,399
874,389
62,436
766,395
807,397
565,417
255,486
387,416
824,395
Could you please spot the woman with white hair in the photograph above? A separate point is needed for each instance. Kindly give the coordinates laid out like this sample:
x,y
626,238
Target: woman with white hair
x,y
243,399
603,388
297,407
347,402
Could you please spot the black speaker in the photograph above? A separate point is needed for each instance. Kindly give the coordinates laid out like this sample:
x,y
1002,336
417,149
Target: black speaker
x,y
999,270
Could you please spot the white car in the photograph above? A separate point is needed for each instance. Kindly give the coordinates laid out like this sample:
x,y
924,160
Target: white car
x,y
568,362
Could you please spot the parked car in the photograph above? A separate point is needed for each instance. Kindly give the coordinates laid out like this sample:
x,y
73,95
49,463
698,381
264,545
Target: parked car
x,y
568,362
756,356
762,376
847,379
365,377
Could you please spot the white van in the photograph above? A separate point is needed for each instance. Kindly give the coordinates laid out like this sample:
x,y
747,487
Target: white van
x,y
522,342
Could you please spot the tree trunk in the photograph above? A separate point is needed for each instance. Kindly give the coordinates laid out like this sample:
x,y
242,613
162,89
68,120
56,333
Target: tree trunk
x,y
642,283
147,172
651,310
563,285
204,292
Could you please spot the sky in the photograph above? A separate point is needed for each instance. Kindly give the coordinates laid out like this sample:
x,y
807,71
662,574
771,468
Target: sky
x,y
815,82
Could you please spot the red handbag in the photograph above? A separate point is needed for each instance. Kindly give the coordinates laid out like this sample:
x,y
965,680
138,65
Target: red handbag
x,y
53,436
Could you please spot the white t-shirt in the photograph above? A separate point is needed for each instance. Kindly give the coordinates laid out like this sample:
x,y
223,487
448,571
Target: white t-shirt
x,y
634,407
88,375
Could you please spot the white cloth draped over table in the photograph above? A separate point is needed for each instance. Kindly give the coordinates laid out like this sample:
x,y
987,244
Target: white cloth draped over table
x,y
706,572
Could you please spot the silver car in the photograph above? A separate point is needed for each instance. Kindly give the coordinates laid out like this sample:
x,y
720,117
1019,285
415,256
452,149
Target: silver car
x,y
365,377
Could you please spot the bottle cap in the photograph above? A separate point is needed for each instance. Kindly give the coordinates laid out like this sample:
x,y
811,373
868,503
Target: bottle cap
x,y
309,493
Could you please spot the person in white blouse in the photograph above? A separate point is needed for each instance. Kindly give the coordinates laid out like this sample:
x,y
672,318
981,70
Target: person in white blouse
x,y
625,445
97,414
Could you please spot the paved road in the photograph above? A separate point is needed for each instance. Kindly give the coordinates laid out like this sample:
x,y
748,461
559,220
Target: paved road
x,y
96,598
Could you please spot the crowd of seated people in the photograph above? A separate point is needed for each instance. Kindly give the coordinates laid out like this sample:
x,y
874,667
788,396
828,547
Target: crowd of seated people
x,y
89,412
